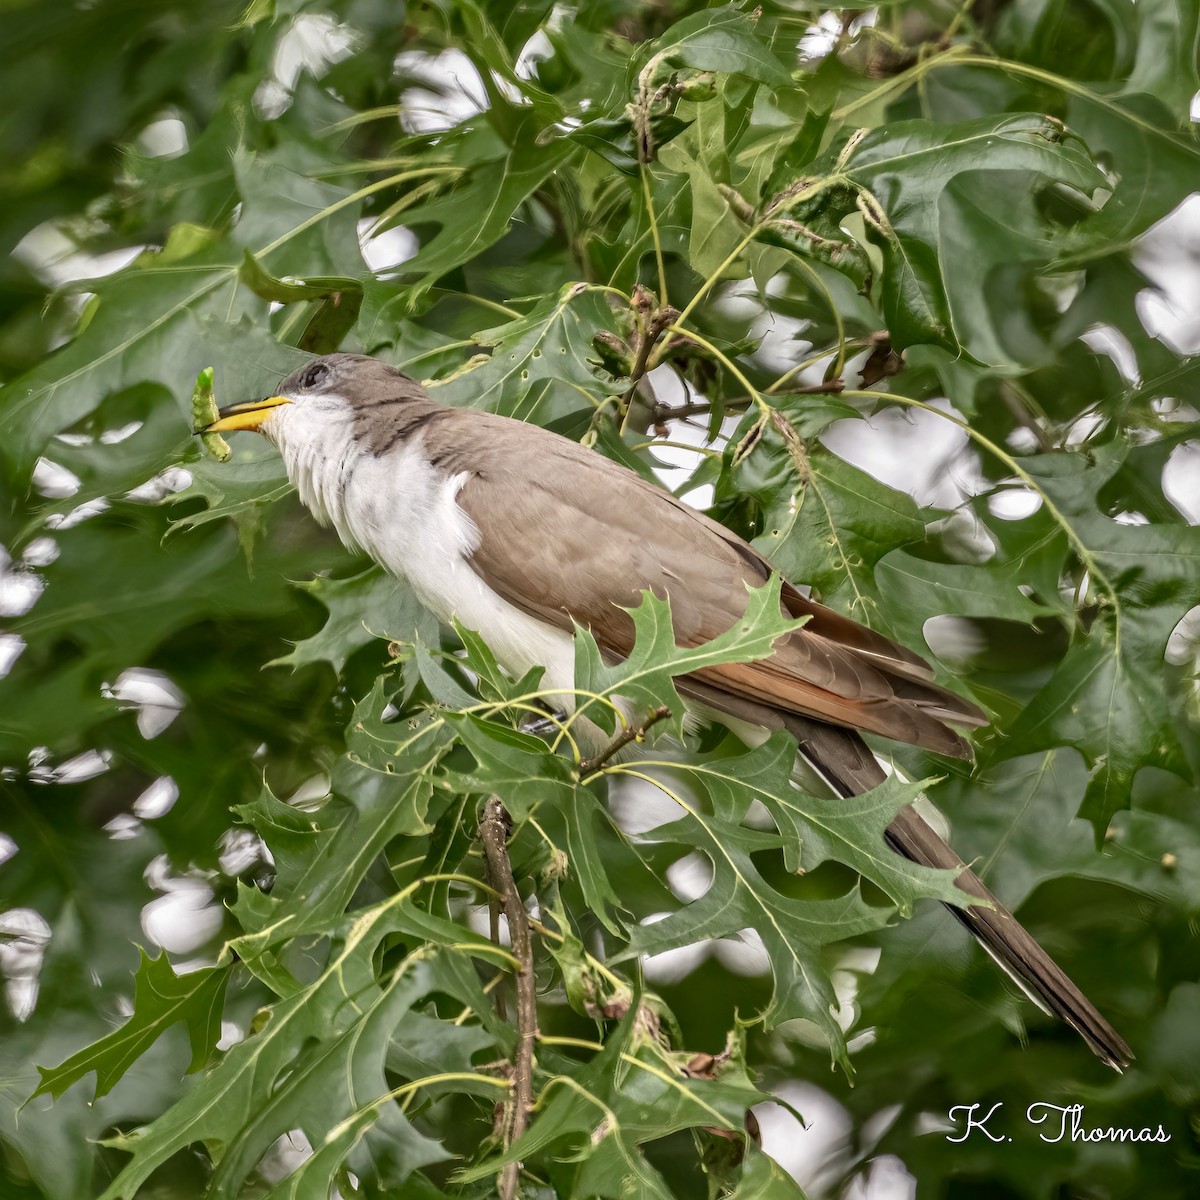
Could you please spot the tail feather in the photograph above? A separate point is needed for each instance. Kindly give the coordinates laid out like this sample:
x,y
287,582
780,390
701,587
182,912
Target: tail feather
x,y
846,761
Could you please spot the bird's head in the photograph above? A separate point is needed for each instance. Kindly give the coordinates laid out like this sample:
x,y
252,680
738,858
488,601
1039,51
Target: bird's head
x,y
321,403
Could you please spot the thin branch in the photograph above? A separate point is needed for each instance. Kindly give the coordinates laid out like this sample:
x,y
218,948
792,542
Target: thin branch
x,y
849,346
1014,402
494,828
494,903
732,367
635,733
827,387
667,412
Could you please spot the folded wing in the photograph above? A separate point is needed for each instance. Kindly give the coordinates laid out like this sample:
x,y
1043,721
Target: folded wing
x,y
569,536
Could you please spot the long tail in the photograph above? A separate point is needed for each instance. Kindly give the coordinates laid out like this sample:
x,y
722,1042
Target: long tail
x,y
845,760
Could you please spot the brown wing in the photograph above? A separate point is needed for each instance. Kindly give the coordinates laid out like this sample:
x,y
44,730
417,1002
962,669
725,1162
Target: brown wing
x,y
567,535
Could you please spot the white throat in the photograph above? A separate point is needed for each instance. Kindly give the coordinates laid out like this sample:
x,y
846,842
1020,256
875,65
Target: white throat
x,y
320,457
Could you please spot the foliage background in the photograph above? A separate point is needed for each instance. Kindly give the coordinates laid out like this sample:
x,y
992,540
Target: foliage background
x,y
187,186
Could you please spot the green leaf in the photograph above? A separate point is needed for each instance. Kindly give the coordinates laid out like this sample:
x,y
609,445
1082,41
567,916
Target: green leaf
x,y
493,684
162,591
387,781
489,51
477,209
615,139
517,765
1004,814
145,327
739,897
110,356
316,1062
1106,697
918,590
362,608
762,1176
160,999
288,291
723,39
643,681
824,522
539,368
1144,148
816,829
630,1093
293,835
340,300
931,202
1166,42
528,777
241,490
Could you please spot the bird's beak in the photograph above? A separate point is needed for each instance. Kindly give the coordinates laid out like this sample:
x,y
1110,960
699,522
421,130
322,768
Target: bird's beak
x,y
248,415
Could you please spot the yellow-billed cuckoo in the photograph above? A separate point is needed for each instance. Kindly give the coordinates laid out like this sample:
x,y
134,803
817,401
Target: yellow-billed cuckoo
x,y
520,534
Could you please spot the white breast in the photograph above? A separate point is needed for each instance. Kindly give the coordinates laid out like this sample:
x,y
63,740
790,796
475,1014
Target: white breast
x,y
405,514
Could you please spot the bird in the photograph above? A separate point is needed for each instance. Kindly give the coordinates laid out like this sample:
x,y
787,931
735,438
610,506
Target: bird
x,y
522,534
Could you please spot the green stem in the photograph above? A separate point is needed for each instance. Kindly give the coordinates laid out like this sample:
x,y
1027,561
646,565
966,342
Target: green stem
x,y
658,250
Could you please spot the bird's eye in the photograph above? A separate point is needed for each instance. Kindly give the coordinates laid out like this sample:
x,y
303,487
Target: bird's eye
x,y
314,375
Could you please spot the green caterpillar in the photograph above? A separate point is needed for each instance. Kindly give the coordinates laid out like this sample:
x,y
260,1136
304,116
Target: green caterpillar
x,y
204,413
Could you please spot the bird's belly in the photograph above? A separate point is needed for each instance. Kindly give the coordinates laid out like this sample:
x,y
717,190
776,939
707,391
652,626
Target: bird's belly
x,y
406,516
453,592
